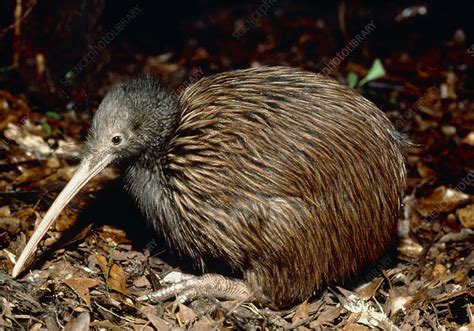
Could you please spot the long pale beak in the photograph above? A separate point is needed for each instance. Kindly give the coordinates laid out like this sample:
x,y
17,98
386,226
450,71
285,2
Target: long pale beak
x,y
84,173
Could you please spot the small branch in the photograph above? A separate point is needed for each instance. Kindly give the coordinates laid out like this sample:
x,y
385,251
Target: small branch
x,y
17,34
20,18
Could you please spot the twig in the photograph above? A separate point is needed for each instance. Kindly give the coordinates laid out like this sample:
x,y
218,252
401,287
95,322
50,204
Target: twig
x,y
429,319
469,313
61,326
452,295
144,326
126,318
20,19
342,20
436,314
423,255
17,34
27,317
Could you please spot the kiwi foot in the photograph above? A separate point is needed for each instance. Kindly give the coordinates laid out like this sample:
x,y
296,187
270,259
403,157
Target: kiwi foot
x,y
187,287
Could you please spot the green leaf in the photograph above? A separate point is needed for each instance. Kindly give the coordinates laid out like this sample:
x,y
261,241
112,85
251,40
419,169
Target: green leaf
x,y
69,76
6,68
375,72
53,115
352,79
46,127
392,100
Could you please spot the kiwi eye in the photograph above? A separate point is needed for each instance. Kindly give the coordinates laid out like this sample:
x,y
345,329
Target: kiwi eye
x,y
116,140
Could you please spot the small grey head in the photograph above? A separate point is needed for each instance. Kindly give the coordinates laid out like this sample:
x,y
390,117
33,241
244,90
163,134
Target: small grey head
x,y
134,115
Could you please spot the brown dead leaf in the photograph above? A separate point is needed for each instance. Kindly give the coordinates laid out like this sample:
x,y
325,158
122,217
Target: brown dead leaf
x,y
220,314
398,299
117,236
367,291
409,248
326,316
79,236
65,221
5,211
80,323
115,276
26,212
469,139
158,323
105,325
460,277
117,280
102,263
424,171
140,327
442,199
438,272
355,327
36,327
81,286
9,224
185,315
301,313
203,324
466,216
141,282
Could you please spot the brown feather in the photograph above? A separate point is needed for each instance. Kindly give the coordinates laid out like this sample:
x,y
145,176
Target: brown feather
x,y
284,174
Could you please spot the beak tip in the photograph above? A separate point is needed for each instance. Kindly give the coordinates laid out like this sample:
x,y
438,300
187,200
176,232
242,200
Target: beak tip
x,y
15,272
80,178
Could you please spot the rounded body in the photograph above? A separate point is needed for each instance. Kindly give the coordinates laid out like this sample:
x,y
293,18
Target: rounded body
x,y
284,174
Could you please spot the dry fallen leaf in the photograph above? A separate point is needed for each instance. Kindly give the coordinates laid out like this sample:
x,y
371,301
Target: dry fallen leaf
x,y
65,221
9,224
301,313
158,323
5,211
28,141
141,327
141,282
466,216
327,316
469,139
409,249
81,286
367,291
115,276
117,280
355,327
204,323
80,323
117,236
35,327
438,272
398,299
442,199
185,314
102,263
424,171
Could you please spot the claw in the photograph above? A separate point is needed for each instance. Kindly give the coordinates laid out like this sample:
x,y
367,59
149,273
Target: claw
x,y
191,287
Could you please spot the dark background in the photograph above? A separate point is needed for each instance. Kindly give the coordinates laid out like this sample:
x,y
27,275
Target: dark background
x,y
63,30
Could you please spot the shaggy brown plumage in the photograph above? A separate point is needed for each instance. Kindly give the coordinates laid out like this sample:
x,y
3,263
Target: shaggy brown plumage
x,y
282,173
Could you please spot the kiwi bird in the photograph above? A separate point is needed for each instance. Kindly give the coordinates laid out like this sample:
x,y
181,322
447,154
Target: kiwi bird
x,y
284,174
